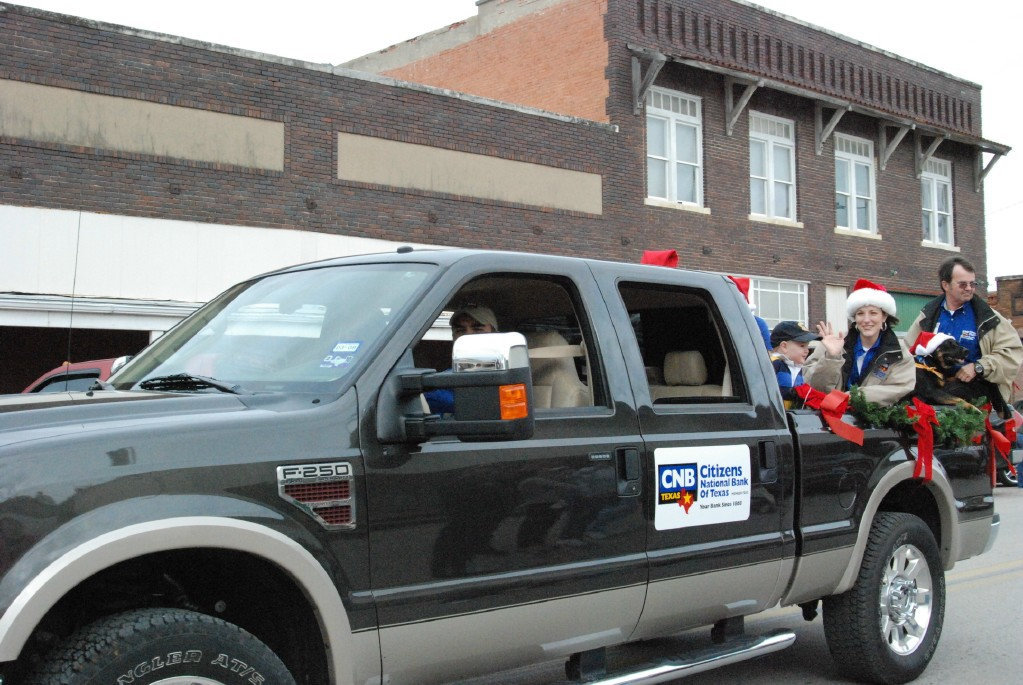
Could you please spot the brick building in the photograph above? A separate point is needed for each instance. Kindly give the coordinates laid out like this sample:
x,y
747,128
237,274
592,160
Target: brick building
x,y
142,173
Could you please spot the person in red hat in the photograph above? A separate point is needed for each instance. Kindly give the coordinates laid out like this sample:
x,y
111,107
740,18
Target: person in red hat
x,y
994,351
870,355
743,285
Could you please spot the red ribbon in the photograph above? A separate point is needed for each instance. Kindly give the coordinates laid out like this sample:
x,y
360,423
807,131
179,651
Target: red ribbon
x,y
926,419
832,406
1000,444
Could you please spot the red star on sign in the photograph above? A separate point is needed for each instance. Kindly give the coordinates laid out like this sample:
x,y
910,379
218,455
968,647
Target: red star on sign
x,y
686,501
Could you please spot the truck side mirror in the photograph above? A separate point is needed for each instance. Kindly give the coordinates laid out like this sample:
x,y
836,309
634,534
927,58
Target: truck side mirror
x,y
493,393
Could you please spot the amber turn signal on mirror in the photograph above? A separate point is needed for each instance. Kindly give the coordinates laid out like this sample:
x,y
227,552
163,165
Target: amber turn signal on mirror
x,y
514,403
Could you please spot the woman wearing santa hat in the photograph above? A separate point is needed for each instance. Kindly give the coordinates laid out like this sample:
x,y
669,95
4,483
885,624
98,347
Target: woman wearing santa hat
x,y
870,355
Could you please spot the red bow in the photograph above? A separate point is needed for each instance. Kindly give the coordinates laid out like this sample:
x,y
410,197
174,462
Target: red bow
x,y
999,443
926,418
832,406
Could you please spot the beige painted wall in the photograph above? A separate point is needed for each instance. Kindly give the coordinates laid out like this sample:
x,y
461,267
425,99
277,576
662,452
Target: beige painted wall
x,y
406,165
60,115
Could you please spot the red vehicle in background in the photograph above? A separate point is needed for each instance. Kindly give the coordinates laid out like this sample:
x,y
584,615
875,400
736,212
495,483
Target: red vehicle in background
x,y
76,376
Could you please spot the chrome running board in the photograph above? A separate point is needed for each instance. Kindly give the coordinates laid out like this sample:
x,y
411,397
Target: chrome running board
x,y
731,652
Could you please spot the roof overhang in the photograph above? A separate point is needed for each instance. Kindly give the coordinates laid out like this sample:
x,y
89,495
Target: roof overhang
x,y
658,57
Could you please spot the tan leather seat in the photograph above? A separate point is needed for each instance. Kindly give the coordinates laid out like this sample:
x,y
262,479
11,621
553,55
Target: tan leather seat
x,y
685,375
555,379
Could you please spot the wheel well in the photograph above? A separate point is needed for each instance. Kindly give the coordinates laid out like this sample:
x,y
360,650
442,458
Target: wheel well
x,y
242,589
912,497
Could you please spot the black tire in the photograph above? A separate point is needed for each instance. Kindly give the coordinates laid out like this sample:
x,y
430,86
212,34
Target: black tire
x,y
153,645
885,628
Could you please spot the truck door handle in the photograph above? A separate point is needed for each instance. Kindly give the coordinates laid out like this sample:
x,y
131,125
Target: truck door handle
x,y
768,461
630,471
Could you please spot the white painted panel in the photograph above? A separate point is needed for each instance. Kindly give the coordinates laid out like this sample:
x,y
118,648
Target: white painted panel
x,y
133,258
835,298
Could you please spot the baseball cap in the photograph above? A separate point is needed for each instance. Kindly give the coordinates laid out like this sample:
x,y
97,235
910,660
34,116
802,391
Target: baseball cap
x,y
483,315
791,330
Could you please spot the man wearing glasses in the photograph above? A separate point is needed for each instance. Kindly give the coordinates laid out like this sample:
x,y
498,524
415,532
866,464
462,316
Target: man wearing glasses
x,y
995,351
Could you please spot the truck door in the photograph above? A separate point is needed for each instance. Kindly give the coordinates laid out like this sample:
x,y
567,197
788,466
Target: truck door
x,y
719,478
501,552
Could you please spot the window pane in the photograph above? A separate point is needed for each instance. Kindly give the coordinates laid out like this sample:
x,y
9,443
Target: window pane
x,y
781,201
685,143
925,194
657,178
841,210
862,214
686,181
758,196
757,155
862,179
789,309
942,192
767,306
943,232
656,137
928,234
841,176
782,164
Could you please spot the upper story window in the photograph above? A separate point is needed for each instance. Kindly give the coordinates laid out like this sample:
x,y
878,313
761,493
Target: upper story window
x,y
674,147
936,201
772,166
855,204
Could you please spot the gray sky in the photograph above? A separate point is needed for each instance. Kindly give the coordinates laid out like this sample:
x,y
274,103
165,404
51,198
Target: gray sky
x,y
977,40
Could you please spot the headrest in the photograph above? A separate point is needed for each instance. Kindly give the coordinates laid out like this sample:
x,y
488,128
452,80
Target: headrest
x,y
685,368
544,339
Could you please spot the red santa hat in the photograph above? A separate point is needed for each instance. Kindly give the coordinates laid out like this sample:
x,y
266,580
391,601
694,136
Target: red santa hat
x,y
866,293
926,343
743,285
668,258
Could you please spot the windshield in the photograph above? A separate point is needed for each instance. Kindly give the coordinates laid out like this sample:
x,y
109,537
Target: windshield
x,y
297,331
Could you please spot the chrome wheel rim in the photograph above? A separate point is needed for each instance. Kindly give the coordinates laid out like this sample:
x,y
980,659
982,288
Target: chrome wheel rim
x,y
907,593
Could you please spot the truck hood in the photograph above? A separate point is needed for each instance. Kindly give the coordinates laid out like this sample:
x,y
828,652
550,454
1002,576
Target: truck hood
x,y
26,418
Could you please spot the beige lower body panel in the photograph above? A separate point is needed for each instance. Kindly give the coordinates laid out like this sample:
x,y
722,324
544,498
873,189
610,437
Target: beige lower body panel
x,y
690,601
464,646
817,575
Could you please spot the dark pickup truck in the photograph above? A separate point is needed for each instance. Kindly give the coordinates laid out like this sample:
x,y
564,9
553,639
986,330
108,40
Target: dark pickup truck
x,y
262,495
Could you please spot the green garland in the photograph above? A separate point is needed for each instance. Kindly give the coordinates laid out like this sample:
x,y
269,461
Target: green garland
x,y
957,425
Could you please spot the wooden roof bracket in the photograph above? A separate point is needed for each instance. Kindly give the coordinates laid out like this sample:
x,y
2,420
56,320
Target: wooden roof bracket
x,y
922,157
641,82
733,109
821,131
886,147
980,170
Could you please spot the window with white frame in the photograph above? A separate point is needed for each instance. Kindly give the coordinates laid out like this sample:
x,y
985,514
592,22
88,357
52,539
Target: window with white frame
x,y
778,300
772,166
936,200
674,147
855,206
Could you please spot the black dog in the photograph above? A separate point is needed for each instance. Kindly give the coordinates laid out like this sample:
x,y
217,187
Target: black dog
x,y
936,382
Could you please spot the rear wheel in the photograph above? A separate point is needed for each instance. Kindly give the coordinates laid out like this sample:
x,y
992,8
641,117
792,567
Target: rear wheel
x,y
885,628
164,646
1006,477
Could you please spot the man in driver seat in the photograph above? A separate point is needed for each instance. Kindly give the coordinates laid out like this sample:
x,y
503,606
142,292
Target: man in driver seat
x,y
465,321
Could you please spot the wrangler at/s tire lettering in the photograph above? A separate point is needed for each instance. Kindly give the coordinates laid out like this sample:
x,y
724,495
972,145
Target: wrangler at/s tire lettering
x,y
166,646
885,628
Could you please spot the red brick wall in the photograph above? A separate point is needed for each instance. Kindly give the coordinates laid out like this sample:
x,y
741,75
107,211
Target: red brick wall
x,y
553,59
314,105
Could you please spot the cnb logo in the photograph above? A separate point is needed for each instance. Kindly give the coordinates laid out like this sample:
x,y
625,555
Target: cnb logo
x,y
677,484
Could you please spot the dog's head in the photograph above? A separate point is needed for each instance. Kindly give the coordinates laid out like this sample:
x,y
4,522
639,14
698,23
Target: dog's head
x,y
948,357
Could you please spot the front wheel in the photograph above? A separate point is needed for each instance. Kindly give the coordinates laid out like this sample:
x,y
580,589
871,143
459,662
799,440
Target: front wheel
x,y
885,628
166,646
